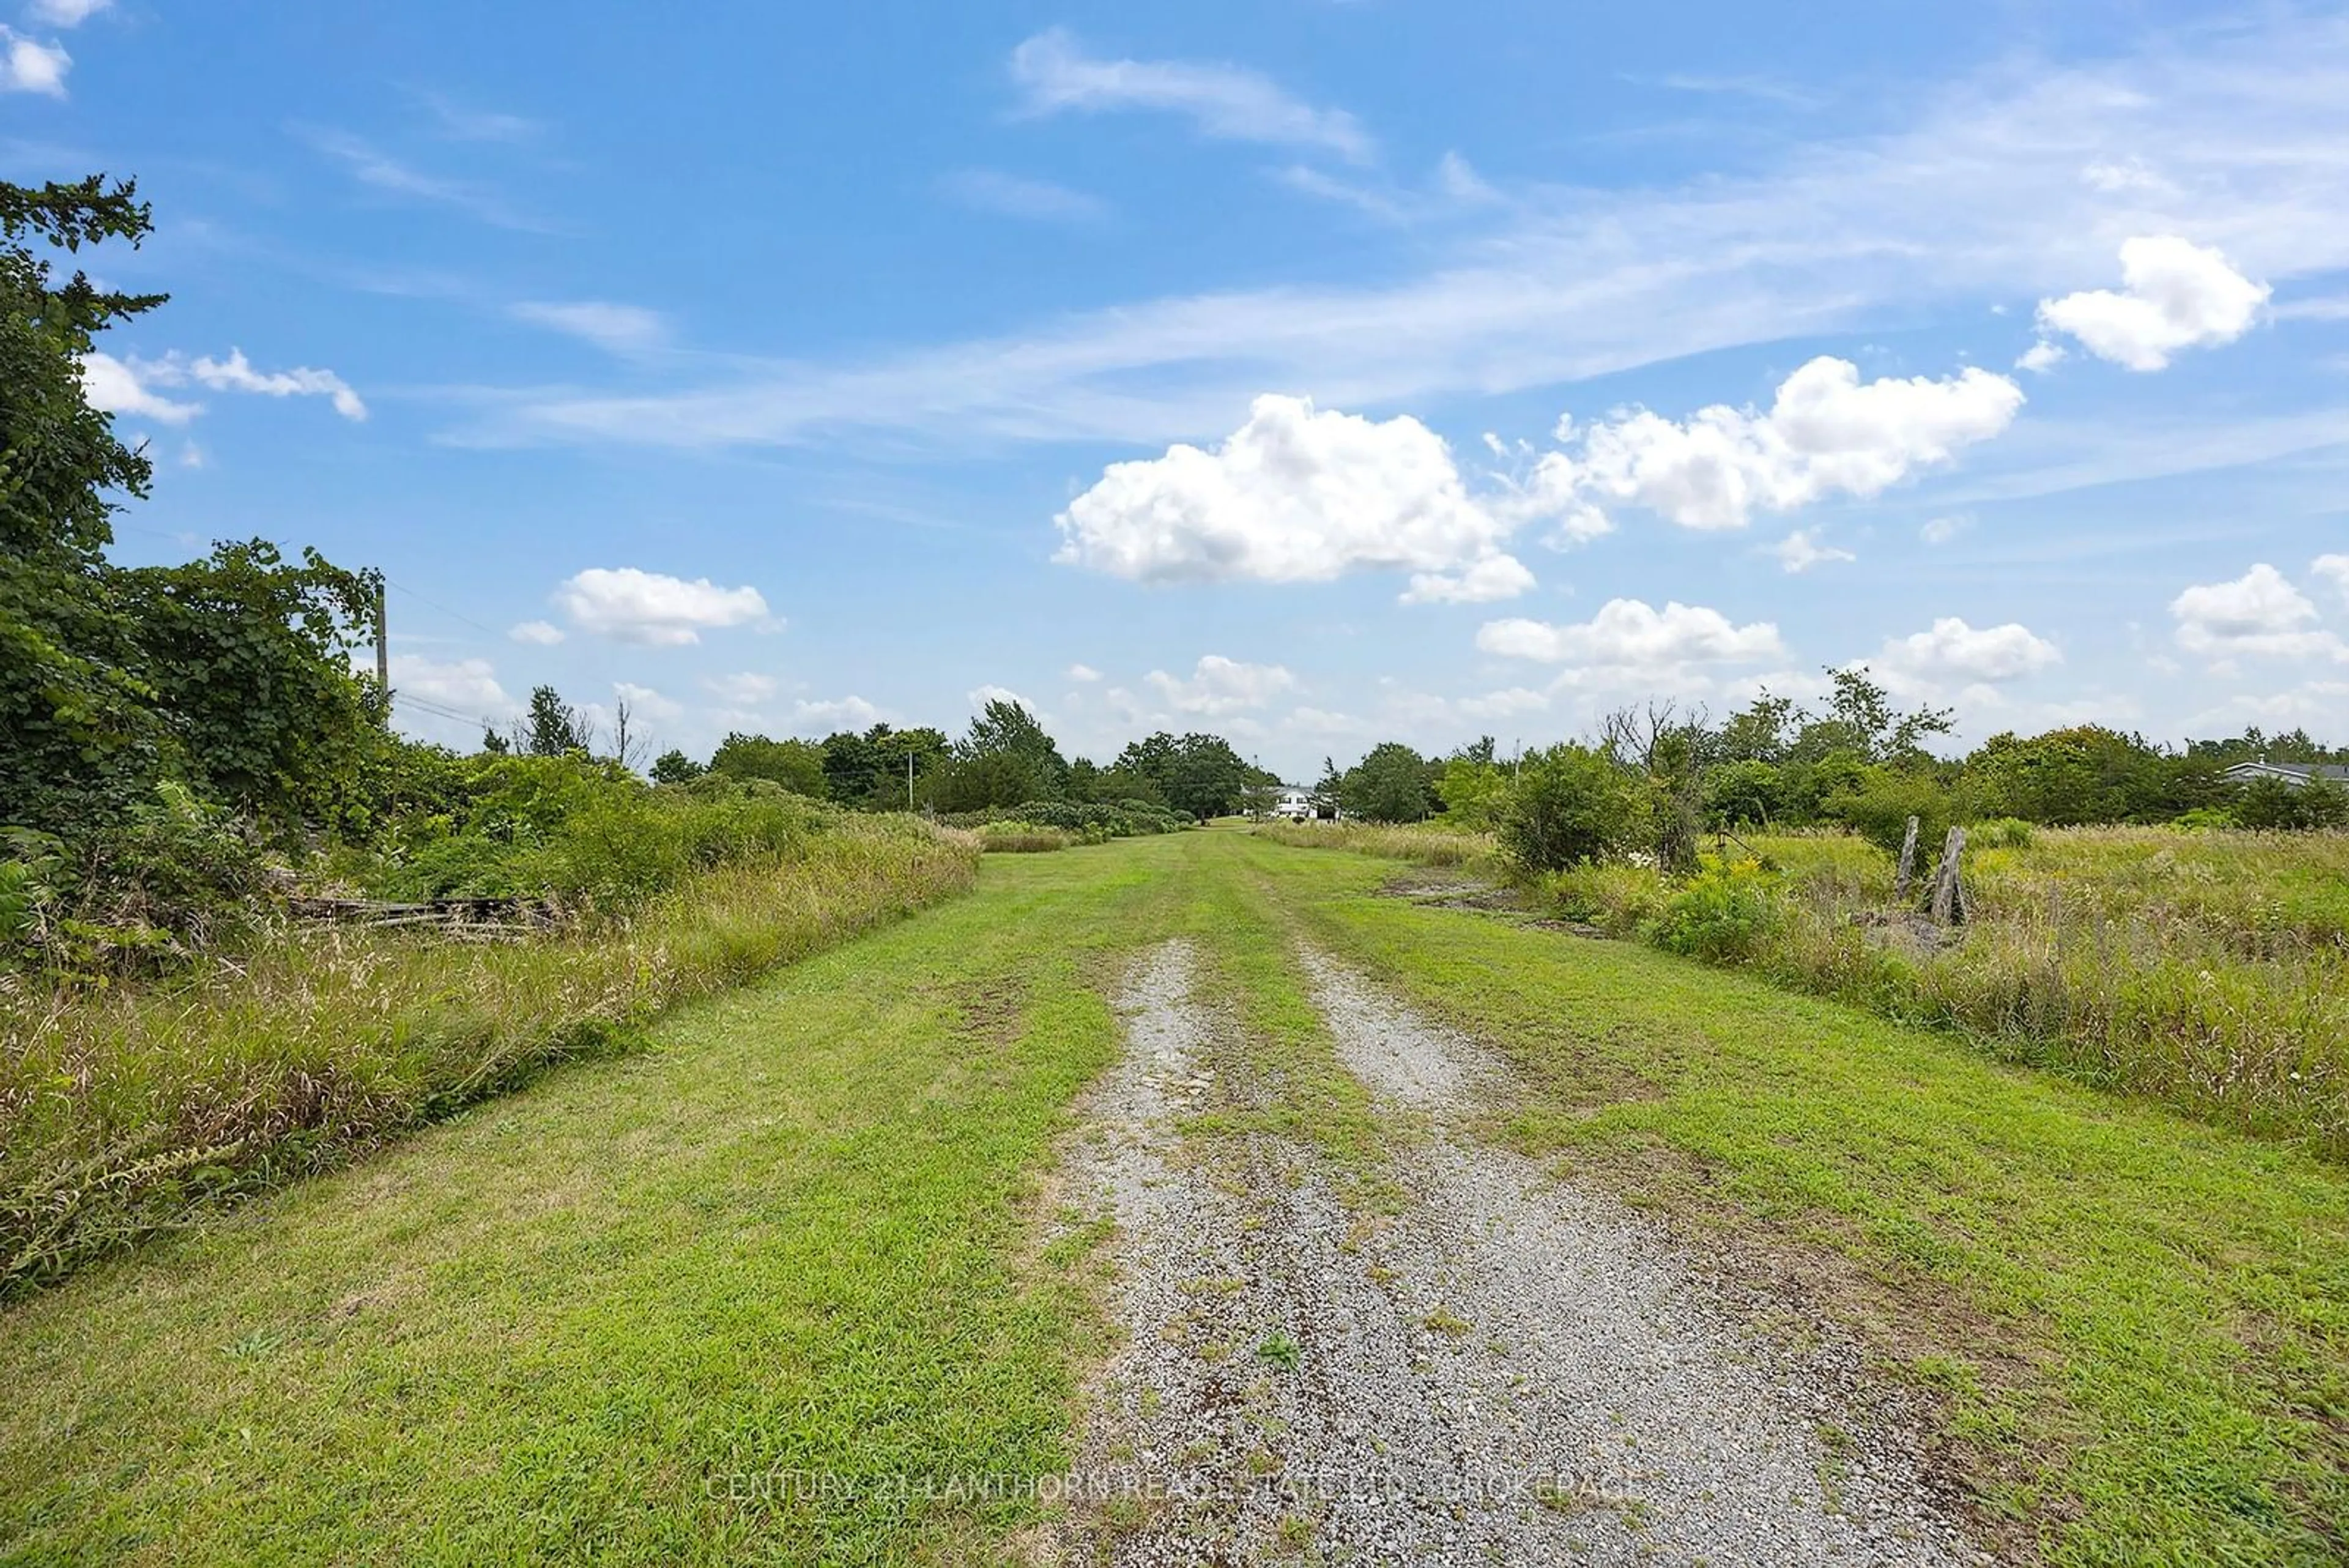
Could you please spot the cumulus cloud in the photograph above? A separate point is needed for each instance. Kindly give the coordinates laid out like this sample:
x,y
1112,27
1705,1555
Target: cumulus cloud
x,y
1493,577
644,703
2259,614
1296,494
744,689
26,64
617,329
1224,101
2174,295
119,388
2333,569
1630,635
1217,686
468,687
1826,433
1085,672
980,696
651,607
1952,650
832,715
130,382
545,633
1801,550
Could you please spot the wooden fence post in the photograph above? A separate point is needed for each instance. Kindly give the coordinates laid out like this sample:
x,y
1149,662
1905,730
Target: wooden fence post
x,y
1908,863
1948,890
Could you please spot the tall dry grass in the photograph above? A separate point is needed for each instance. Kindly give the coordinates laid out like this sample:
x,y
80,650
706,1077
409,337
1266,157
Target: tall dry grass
x,y
2207,970
127,1110
1421,844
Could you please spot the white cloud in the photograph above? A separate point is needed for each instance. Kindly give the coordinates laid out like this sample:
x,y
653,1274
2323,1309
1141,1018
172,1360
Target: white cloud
x,y
1826,433
2041,357
1953,650
644,703
1975,194
465,686
1017,196
1084,672
1941,530
1630,635
28,65
2259,614
1493,577
1296,494
236,374
2333,569
1508,702
2174,295
1801,550
618,328
119,388
651,607
979,697
828,717
191,455
66,13
1224,101
378,170
1220,686
745,689
547,634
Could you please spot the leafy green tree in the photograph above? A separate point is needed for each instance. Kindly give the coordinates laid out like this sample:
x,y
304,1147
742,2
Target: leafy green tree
x,y
674,767
1473,792
81,738
249,658
494,745
1389,785
552,727
1006,759
1747,790
1572,805
2268,804
797,766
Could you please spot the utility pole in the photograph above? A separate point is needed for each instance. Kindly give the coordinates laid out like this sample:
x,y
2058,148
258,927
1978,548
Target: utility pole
x,y
382,650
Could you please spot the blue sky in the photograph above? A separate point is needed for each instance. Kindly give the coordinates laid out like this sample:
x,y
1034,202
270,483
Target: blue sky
x,y
1317,373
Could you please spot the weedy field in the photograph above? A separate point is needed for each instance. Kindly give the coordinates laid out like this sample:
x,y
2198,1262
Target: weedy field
x,y
2208,970
628,1312
127,1107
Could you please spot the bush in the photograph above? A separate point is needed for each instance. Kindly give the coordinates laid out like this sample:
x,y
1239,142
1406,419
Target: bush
x,y
1881,809
1570,806
2272,806
2000,833
1722,914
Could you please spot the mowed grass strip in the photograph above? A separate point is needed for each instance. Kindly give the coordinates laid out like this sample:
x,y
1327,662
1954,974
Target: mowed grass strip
x,y
620,1316
2137,1326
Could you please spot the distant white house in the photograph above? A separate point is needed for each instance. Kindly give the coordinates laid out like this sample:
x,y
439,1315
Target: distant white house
x,y
1295,805
2297,775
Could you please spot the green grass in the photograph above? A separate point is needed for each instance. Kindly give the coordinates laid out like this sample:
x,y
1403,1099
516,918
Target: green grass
x,y
809,1230
2138,1326
581,1322
131,1108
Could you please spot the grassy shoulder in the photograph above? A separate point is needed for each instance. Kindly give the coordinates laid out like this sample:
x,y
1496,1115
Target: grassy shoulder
x,y
627,1314
2137,1326
129,1108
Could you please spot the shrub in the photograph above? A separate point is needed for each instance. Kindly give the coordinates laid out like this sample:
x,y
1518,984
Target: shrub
x,y
1723,914
2000,833
1879,812
1570,806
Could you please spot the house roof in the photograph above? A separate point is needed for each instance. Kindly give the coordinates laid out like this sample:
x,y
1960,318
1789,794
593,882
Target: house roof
x,y
2302,771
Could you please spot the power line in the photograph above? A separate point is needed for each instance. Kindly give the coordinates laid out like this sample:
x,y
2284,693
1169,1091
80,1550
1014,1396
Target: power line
x,y
444,609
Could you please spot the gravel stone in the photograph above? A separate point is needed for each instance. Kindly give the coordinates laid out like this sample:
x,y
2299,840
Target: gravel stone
x,y
1507,1370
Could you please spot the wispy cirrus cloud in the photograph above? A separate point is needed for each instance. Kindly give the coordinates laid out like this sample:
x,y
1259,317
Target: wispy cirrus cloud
x,y
1230,103
376,170
1980,195
1019,196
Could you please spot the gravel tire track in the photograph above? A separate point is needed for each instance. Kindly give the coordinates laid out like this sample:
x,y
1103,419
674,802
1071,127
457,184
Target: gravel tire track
x,y
1507,1370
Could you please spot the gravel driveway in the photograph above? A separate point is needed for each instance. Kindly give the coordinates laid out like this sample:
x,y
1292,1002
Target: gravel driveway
x,y
1506,1370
